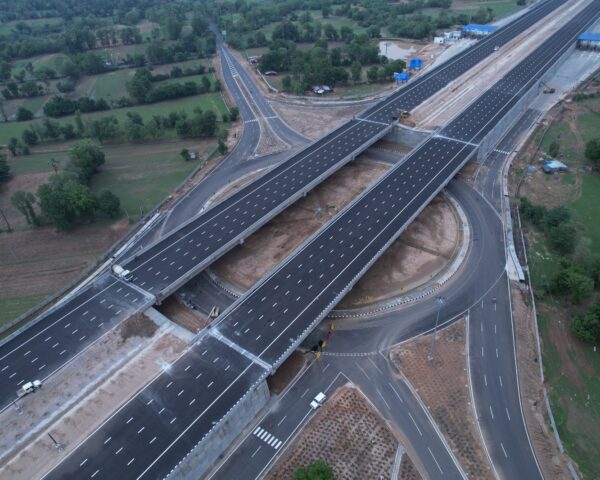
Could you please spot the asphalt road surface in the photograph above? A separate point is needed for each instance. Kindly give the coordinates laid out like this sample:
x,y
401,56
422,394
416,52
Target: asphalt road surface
x,y
155,430
65,332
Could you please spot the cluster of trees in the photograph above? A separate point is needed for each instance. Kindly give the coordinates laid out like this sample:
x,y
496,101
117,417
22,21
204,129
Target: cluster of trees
x,y
66,200
578,273
405,19
24,90
320,65
59,106
141,89
556,223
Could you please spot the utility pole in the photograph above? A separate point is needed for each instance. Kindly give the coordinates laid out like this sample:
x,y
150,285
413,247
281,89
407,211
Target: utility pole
x,y
440,302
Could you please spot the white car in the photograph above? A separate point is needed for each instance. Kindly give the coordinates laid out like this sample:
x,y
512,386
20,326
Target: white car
x,y
318,401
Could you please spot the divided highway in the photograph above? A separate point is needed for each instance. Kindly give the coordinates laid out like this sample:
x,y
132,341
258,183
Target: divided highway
x,y
267,322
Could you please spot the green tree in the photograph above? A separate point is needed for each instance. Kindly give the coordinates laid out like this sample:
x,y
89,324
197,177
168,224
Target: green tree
x,y
557,216
199,24
29,137
222,148
586,327
109,204
79,124
64,201
234,113
592,151
139,86
24,115
4,169
104,128
173,27
185,154
570,281
85,159
316,471
356,70
23,202
13,145
553,148
372,74
563,238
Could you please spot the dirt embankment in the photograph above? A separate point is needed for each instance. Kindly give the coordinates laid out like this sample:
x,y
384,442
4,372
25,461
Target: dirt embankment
x,y
348,434
443,385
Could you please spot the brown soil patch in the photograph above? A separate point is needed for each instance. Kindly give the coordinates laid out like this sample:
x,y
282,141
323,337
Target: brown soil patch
x,y
40,261
286,372
348,434
138,325
552,463
419,254
191,320
247,263
108,374
444,388
408,471
313,123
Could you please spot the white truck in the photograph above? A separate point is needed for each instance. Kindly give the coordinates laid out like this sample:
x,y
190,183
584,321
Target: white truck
x,y
29,387
120,272
318,401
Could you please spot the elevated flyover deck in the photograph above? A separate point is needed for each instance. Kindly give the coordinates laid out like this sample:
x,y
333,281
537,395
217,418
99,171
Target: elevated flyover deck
x,y
266,323
171,261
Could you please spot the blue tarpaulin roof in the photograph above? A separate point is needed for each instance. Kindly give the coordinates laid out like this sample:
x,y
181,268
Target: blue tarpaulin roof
x,y
415,63
590,37
479,28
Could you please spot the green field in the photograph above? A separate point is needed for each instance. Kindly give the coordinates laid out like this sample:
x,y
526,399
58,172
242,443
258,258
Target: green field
x,y
572,368
109,86
210,101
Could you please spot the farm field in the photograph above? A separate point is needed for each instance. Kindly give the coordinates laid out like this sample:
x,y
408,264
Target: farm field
x,y
40,261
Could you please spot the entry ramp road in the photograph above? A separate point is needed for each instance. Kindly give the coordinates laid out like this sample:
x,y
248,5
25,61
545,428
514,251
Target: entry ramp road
x,y
156,429
65,332
167,264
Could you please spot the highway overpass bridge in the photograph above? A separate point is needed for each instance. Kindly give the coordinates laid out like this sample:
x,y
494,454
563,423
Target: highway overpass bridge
x,y
167,264
155,430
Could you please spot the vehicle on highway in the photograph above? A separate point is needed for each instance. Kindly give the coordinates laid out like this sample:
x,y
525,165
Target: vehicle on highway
x,y
318,401
121,272
29,387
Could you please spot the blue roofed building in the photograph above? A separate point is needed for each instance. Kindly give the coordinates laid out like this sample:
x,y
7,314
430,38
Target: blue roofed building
x,y
475,30
589,41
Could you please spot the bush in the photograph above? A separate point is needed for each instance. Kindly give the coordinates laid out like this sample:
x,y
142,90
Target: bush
x,y
109,204
23,114
586,327
58,106
4,169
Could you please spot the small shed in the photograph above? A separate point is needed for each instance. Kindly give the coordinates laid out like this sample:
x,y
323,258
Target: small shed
x,y
588,41
439,40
